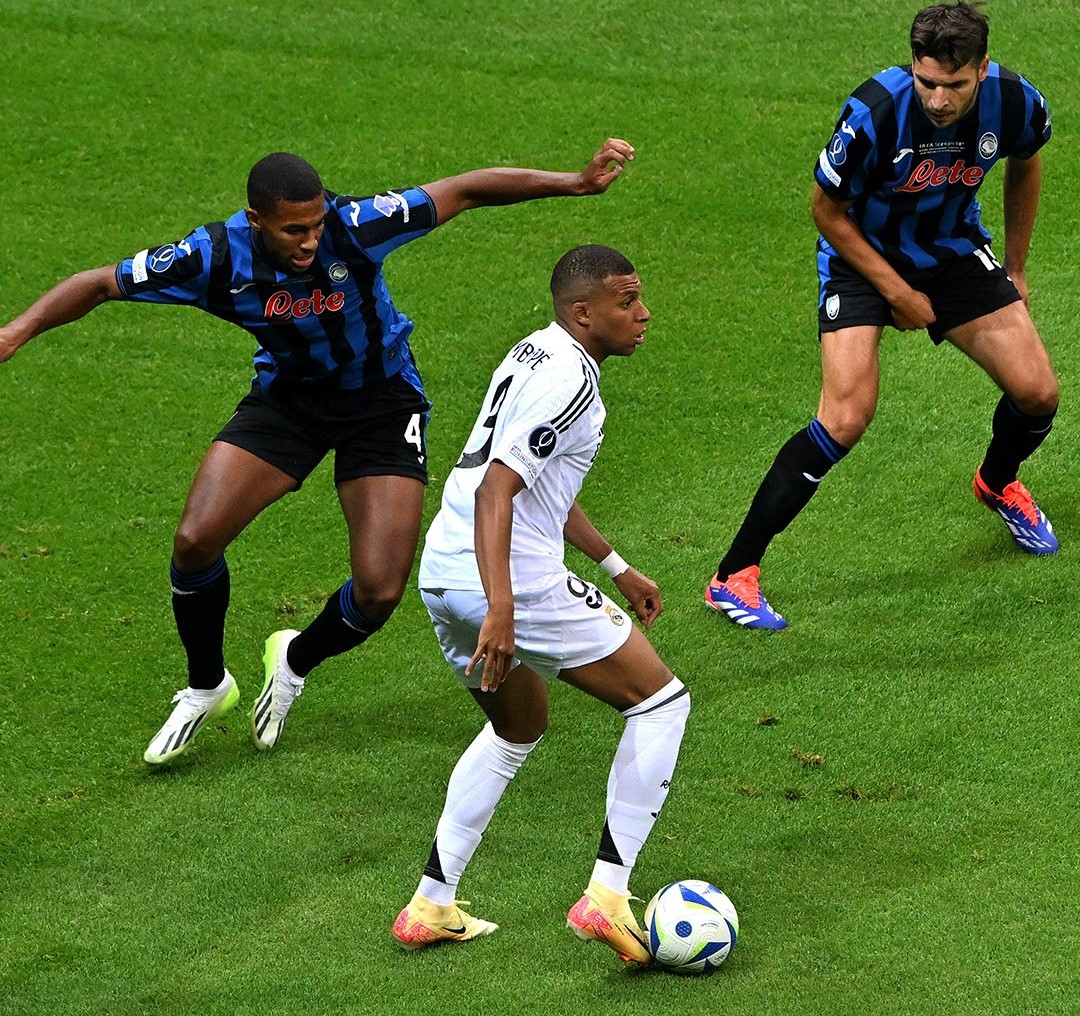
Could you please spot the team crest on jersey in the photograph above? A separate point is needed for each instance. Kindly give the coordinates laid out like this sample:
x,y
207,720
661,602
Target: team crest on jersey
x,y
832,306
162,258
618,618
988,145
338,272
542,441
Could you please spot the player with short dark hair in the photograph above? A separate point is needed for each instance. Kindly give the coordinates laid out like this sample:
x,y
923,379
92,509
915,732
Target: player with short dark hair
x,y
300,269
281,176
509,616
902,244
952,34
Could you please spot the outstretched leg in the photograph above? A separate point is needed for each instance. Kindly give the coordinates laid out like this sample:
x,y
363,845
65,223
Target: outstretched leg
x,y
383,515
231,487
1007,346
849,369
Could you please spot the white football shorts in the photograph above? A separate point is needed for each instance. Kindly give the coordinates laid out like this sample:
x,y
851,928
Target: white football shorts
x,y
568,623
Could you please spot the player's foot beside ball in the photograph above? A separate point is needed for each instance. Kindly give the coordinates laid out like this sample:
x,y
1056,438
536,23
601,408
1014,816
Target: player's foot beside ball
x,y
603,915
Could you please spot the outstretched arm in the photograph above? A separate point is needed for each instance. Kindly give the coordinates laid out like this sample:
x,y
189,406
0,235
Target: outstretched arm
x,y
641,592
483,187
1023,186
67,301
491,534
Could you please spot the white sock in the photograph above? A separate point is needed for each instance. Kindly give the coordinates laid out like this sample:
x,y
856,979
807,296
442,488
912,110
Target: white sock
x,y
613,876
476,784
206,694
639,780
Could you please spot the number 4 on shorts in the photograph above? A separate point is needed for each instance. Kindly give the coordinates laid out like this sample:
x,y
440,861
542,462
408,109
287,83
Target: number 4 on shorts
x,y
415,436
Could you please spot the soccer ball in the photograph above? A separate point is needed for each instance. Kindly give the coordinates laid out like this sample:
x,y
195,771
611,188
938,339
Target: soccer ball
x,y
691,926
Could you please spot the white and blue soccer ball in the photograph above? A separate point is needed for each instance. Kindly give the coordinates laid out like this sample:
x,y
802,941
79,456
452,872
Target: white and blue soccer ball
x,y
691,927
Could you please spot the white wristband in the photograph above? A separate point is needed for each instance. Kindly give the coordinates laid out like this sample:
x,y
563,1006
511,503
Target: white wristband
x,y
613,564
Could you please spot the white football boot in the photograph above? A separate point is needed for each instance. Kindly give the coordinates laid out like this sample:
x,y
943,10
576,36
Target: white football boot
x,y
194,706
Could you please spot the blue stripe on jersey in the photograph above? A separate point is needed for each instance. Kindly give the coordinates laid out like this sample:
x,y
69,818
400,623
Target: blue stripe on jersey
x,y
912,186
410,373
333,327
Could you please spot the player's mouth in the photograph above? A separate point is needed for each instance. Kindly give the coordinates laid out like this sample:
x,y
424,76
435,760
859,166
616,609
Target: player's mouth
x,y
302,261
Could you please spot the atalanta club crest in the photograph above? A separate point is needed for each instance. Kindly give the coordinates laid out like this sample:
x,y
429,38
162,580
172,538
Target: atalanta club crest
x,y
988,145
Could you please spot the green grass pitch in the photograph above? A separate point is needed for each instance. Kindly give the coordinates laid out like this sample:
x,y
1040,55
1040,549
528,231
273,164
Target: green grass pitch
x,y
926,863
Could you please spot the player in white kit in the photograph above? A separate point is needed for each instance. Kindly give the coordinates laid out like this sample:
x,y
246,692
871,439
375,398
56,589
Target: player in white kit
x,y
509,616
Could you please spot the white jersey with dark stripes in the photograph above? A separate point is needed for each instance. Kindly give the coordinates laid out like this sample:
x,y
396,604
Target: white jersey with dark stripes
x,y
542,417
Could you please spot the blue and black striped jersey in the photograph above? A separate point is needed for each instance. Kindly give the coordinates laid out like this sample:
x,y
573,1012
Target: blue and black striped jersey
x,y
913,185
333,327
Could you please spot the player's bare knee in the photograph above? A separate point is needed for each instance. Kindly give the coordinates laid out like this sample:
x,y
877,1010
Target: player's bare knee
x,y
1040,397
847,422
377,600
851,426
644,685
195,549
521,730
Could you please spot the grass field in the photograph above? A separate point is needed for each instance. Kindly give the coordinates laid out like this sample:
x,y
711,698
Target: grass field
x,y
927,865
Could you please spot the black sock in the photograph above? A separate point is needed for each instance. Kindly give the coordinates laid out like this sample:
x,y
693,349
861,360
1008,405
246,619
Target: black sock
x,y
339,628
1015,436
199,603
788,485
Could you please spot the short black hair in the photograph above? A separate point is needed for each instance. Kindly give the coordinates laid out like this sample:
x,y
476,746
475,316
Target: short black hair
x,y
954,35
582,268
281,176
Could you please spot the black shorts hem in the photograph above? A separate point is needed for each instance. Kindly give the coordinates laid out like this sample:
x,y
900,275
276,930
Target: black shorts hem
x,y
345,475
961,290
374,431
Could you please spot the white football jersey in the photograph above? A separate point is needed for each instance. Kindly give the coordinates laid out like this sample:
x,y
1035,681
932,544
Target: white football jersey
x,y
543,418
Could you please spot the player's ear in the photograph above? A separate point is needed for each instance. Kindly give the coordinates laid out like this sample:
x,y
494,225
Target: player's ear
x,y
579,311
984,68
253,218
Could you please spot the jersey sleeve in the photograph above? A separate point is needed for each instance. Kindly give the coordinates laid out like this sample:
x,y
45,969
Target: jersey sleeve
x,y
845,163
540,424
1036,130
172,273
384,222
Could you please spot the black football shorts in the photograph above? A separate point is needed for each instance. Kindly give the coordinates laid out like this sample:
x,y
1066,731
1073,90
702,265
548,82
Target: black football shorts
x,y
377,430
960,291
